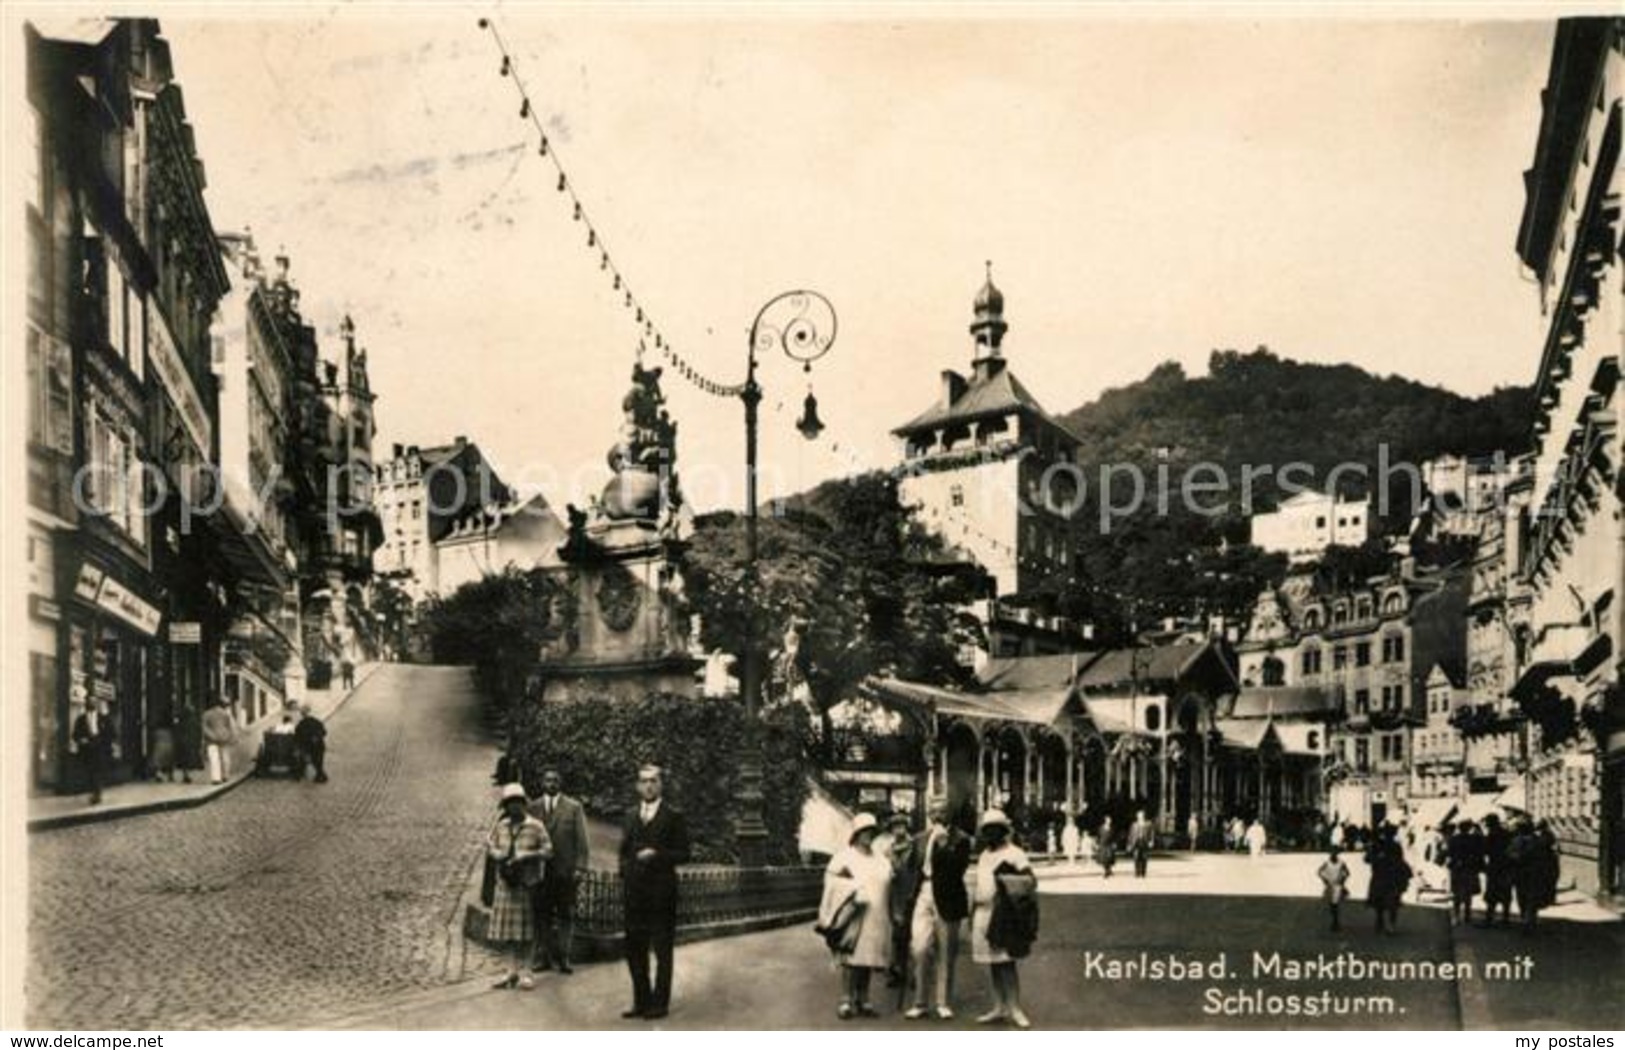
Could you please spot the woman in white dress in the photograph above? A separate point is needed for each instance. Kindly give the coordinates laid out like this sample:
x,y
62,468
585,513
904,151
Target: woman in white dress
x,y
998,850
870,875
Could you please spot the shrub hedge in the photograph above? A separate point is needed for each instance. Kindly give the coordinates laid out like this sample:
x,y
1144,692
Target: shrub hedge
x,y
597,745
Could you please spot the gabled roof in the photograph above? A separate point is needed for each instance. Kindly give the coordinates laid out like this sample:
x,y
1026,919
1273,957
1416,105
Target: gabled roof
x,y
997,394
1246,734
1033,672
1282,701
1031,706
1159,663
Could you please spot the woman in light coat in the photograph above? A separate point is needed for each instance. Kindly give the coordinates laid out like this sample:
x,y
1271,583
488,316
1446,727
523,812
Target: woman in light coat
x,y
999,852
868,874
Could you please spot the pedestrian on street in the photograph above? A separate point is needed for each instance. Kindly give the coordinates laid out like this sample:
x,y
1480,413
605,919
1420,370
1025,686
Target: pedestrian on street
x,y
868,875
1002,928
940,907
518,844
311,737
1334,880
900,897
1464,857
1193,831
1535,869
219,734
1141,835
1237,835
1256,838
93,740
1106,850
1390,875
554,902
1497,871
509,770
347,673
654,841
1071,840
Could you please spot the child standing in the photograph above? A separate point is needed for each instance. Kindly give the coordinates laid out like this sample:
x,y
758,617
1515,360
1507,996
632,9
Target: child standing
x,y
1334,878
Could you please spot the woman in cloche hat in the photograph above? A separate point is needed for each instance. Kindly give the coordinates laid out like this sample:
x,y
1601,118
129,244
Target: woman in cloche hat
x,y
519,843
870,875
1000,856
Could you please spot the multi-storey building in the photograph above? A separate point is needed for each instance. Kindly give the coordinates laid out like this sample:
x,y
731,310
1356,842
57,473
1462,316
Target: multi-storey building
x,y
1372,649
1569,238
1438,754
1303,526
991,472
420,493
254,361
335,620
129,600
521,533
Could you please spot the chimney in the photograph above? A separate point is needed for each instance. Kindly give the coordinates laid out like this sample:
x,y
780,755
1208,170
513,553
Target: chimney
x,y
398,450
953,387
460,440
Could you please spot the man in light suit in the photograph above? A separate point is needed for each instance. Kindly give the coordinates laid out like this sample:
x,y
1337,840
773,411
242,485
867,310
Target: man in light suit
x,y
554,901
653,842
938,909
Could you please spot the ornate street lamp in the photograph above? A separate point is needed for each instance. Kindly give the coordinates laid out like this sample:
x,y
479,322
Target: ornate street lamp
x,y
801,325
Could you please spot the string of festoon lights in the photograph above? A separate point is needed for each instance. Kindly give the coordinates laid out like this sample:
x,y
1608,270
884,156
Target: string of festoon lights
x,y
650,333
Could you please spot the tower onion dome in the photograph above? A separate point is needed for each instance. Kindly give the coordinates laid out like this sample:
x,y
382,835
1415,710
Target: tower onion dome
x,y
988,327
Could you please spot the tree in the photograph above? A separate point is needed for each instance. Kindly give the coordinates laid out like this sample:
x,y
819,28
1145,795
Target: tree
x,y
498,624
857,576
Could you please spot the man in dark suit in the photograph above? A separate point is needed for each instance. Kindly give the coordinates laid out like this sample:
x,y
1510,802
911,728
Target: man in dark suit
x,y
1141,836
653,842
941,856
93,740
554,901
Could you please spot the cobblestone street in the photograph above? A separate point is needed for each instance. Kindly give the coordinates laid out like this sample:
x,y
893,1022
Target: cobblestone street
x,y
282,901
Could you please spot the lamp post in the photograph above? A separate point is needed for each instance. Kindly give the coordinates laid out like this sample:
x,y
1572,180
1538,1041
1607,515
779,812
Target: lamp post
x,y
801,325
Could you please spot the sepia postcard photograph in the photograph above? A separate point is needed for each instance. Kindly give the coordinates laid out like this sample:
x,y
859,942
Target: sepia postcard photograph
x,y
911,518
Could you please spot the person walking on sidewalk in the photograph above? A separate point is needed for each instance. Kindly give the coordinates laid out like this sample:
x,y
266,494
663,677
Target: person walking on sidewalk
x,y
347,673
1141,835
310,735
1334,880
1497,871
93,740
1465,859
1390,875
555,901
518,844
1106,849
219,734
1002,927
940,908
654,841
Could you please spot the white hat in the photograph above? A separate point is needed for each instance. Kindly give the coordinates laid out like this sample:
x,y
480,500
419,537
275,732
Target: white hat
x,y
862,822
992,817
512,791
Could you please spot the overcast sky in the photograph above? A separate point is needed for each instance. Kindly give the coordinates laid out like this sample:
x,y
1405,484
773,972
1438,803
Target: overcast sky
x,y
1147,189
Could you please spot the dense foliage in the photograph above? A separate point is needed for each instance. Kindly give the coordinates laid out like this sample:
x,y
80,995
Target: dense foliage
x,y
498,624
598,745
1250,410
862,582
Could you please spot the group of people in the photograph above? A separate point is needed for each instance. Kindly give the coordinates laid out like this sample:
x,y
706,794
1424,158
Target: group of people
x,y
1488,860
309,742
537,852
1498,863
897,902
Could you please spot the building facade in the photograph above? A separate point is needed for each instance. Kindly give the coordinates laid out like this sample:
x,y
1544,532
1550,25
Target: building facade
x,y
522,534
977,465
1569,238
1305,525
131,593
421,493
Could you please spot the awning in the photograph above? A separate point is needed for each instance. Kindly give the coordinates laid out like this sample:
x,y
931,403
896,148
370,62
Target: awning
x,y
1514,799
1244,734
243,545
1431,812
